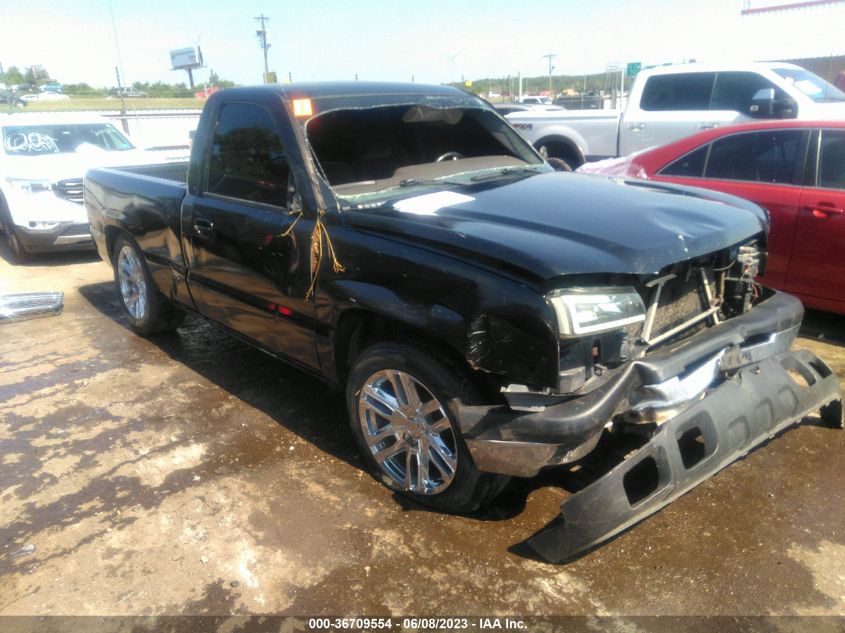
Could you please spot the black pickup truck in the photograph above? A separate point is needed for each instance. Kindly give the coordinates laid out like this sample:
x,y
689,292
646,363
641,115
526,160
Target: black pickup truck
x,y
487,315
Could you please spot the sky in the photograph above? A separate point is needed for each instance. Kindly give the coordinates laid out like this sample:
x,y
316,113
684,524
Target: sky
x,y
430,41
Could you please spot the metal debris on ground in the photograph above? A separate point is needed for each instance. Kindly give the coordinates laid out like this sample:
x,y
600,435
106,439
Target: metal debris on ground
x,y
30,305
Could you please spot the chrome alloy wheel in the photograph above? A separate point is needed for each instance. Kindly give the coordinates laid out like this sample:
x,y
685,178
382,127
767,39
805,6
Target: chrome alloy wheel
x,y
133,284
408,432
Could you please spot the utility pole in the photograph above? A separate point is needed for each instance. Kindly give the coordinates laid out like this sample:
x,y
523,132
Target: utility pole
x,y
116,45
550,57
262,36
123,120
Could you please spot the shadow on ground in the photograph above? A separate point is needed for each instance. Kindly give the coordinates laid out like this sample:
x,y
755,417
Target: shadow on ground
x,y
48,259
824,326
316,411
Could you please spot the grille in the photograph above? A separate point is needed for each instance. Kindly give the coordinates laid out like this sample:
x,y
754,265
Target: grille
x,y
680,300
69,189
683,306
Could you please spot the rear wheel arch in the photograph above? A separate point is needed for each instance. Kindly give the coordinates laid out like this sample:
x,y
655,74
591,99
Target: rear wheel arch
x,y
111,234
560,147
159,314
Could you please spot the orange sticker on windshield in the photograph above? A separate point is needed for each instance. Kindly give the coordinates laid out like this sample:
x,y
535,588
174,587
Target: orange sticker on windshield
x,y
302,107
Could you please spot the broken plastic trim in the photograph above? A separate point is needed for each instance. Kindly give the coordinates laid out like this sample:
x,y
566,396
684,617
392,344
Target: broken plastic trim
x,y
30,305
743,412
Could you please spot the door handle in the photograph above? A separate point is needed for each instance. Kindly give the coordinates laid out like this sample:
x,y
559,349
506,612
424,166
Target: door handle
x,y
636,127
825,210
202,227
707,126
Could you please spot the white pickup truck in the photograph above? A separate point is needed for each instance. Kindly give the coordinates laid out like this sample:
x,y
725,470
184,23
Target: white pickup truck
x,y
671,102
43,158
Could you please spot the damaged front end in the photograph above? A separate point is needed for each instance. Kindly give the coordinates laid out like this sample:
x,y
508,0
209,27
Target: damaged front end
x,y
743,411
694,359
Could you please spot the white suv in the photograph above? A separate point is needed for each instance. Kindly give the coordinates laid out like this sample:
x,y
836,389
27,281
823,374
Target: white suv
x,y
43,159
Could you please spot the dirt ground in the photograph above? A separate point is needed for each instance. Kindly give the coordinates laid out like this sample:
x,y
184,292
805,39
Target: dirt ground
x,y
191,474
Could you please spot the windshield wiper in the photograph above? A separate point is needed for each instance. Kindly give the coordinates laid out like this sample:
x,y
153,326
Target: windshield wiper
x,y
505,172
413,182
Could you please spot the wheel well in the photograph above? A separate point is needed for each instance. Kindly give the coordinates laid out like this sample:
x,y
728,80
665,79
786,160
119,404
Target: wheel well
x,y
111,234
358,329
4,214
562,148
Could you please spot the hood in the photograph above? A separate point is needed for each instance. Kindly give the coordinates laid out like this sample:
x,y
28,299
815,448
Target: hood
x,y
565,223
55,167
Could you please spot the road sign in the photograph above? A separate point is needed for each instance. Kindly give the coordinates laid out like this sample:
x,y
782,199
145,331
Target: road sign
x,y
633,68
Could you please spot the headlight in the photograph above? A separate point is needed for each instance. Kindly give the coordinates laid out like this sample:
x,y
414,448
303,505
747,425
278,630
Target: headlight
x,y
596,310
30,186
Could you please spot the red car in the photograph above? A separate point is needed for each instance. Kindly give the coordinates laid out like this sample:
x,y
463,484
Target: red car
x,y
794,169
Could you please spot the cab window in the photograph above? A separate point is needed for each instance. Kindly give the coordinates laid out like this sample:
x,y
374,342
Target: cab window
x,y
687,91
247,158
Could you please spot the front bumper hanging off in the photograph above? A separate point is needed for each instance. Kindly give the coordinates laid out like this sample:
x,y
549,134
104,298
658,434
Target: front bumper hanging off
x,y
741,413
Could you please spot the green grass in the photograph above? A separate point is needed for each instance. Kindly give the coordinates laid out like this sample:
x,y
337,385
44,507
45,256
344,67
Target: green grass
x,y
101,103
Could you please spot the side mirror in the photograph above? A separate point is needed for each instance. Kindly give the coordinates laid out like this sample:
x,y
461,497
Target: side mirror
x,y
763,103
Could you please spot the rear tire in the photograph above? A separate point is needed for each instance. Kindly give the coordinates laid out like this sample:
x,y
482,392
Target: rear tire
x,y
558,154
402,410
145,308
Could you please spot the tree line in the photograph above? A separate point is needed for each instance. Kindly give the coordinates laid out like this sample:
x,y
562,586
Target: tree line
x,y
34,77
509,86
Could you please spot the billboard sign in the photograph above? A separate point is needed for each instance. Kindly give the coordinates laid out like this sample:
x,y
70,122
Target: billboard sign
x,y
186,58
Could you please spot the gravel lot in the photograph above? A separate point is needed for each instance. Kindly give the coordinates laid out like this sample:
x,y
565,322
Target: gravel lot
x,y
191,474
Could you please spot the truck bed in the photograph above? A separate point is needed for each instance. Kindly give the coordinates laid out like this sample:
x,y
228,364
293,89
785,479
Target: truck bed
x,y
177,172
594,132
147,201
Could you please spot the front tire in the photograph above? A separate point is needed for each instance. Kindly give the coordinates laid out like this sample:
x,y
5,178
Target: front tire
x,y
401,401
145,308
17,250
19,253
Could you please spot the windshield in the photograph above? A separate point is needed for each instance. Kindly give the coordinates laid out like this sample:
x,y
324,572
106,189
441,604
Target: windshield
x,y
375,154
36,140
811,85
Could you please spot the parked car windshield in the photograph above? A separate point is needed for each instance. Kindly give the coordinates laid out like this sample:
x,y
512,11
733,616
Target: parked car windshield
x,y
811,85
369,154
37,140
